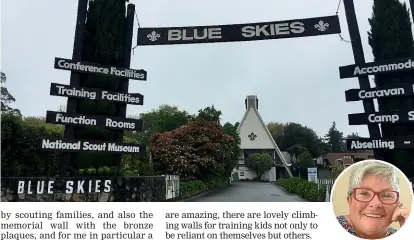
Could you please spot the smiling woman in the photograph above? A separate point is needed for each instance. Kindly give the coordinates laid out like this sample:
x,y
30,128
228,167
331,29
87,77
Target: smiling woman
x,y
374,198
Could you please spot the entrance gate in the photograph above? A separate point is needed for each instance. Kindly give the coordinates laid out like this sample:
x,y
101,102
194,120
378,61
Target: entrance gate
x,y
238,33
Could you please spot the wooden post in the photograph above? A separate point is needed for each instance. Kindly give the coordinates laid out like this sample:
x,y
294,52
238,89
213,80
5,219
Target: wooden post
x,y
67,157
359,58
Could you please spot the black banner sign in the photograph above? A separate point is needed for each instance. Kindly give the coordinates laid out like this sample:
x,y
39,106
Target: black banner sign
x,y
95,94
383,143
381,117
239,32
90,120
65,145
374,68
94,68
394,90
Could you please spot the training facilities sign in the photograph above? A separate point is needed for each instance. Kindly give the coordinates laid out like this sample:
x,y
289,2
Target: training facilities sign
x,y
383,143
394,90
65,145
381,117
95,94
239,32
94,68
373,68
90,120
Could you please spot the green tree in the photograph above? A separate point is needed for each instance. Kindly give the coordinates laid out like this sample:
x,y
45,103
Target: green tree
x,y
276,129
391,38
353,135
260,163
165,118
296,134
103,43
231,130
305,161
335,139
7,98
209,114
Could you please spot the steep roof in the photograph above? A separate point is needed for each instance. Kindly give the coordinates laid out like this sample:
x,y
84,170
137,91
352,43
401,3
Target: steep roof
x,y
253,110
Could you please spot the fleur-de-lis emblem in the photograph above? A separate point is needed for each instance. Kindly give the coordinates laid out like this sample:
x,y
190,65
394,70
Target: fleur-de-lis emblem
x,y
322,26
252,136
153,36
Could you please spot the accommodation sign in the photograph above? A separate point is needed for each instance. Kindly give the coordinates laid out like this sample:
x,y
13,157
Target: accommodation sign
x,y
65,145
381,92
239,32
374,68
381,117
98,121
95,94
94,68
386,143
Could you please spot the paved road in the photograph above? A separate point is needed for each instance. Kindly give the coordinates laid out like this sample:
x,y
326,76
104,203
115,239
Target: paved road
x,y
251,192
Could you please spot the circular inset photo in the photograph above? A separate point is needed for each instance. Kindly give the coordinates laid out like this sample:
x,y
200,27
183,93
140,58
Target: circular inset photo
x,y
372,199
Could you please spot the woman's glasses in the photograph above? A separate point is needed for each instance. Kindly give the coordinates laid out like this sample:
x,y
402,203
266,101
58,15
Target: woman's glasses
x,y
366,195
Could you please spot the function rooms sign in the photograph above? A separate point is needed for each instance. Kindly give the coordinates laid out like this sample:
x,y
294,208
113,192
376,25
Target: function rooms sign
x,y
239,32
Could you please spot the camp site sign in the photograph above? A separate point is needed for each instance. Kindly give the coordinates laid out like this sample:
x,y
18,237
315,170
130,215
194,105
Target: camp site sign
x,y
239,32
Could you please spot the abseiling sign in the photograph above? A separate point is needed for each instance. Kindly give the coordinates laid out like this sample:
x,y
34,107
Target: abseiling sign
x,y
94,68
374,68
383,143
239,32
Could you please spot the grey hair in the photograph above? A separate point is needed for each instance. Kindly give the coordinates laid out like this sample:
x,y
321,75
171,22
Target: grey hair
x,y
375,168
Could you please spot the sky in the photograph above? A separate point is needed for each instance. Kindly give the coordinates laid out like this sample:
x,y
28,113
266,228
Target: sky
x,y
295,80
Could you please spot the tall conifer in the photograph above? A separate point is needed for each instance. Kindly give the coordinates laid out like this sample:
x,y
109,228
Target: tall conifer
x,y
102,43
391,38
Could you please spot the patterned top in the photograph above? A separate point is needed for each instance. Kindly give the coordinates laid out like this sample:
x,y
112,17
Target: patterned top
x,y
347,226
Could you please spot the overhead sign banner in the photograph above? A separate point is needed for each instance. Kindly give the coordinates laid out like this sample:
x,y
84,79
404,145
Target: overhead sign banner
x,y
64,145
386,143
374,68
95,94
239,32
90,120
381,117
382,92
94,68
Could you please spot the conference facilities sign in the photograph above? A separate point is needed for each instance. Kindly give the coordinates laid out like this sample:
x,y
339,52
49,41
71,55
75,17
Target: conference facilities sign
x,y
374,68
381,117
67,145
239,32
95,94
94,68
90,120
380,144
394,90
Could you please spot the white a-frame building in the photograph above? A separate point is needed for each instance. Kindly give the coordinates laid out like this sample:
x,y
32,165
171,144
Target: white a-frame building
x,y
256,138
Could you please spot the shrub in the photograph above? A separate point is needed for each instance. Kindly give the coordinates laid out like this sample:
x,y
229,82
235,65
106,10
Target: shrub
x,y
195,151
305,189
260,163
195,187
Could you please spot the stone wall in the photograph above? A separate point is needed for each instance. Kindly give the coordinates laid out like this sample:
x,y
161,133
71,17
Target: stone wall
x,y
122,189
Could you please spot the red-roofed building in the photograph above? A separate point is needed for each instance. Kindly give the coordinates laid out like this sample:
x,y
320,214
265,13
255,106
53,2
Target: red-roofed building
x,y
346,159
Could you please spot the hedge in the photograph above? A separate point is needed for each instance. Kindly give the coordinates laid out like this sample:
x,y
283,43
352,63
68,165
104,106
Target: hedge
x,y
305,189
194,187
